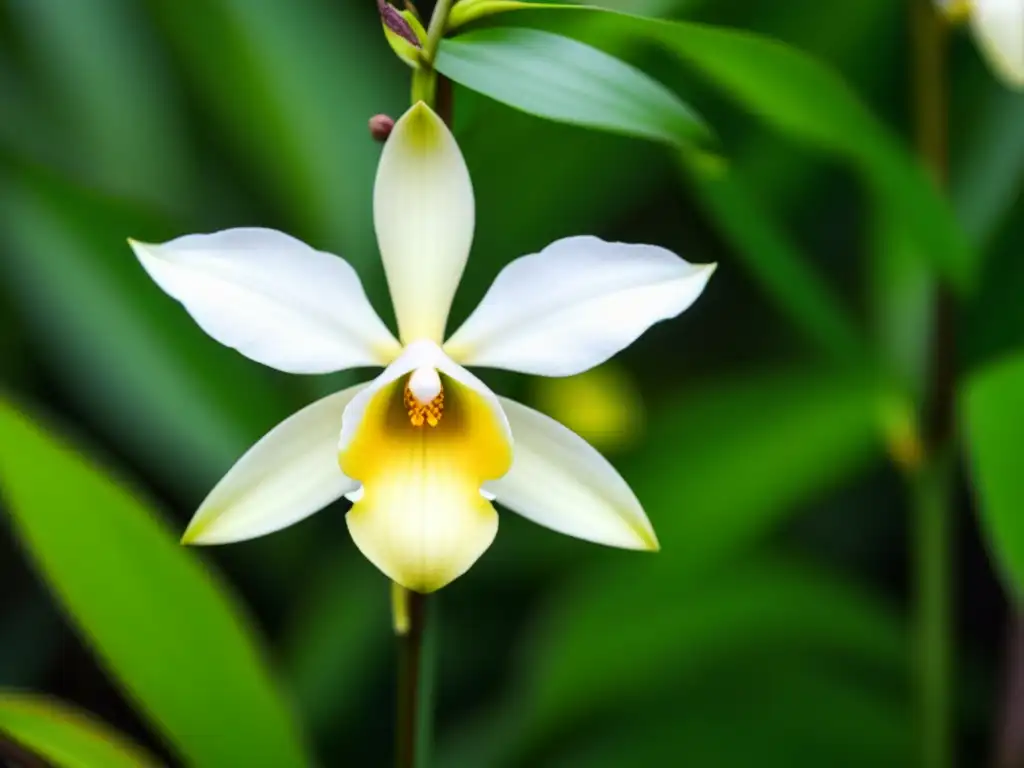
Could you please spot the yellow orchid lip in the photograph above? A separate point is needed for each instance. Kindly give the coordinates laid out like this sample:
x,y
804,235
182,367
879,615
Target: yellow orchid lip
x,y
421,518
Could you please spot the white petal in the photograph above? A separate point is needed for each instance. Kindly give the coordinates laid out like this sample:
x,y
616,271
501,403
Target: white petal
x,y
574,305
558,480
273,298
421,517
288,475
423,212
999,27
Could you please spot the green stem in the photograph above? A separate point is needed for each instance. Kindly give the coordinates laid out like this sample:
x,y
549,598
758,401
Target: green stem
x,y
424,79
932,482
932,537
436,30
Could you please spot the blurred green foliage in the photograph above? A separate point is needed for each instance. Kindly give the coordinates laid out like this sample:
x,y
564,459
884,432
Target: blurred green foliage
x,y
771,629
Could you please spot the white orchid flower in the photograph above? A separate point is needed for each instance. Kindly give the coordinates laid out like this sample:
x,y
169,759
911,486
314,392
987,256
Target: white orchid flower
x,y
425,446
999,29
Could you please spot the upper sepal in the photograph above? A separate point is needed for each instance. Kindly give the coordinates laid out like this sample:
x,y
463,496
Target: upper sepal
x,y
424,214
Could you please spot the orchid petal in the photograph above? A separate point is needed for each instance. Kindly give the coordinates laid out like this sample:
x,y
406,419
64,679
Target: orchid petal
x,y
273,298
288,475
574,305
559,481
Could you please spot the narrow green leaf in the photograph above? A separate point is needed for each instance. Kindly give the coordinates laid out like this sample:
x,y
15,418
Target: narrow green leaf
x,y
121,125
807,101
562,79
166,629
776,263
789,436
988,176
124,353
293,86
64,736
993,409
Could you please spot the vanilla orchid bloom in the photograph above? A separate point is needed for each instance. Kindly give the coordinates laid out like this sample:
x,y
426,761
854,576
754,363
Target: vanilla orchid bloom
x,y
999,29
425,446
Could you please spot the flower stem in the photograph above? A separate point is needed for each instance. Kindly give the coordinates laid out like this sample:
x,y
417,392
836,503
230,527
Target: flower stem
x,y
417,645
424,79
416,651
932,521
931,483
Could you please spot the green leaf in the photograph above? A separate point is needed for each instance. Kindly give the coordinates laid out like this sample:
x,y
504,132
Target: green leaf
x,y
615,641
123,352
788,436
64,736
987,178
776,263
791,712
993,410
339,629
281,80
614,636
562,79
121,123
807,101
161,623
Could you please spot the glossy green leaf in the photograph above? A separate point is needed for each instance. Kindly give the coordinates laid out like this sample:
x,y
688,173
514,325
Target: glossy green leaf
x,y
807,101
161,623
65,737
562,79
993,412
502,149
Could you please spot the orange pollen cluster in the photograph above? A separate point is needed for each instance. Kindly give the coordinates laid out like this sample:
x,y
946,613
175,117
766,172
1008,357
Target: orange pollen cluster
x,y
420,414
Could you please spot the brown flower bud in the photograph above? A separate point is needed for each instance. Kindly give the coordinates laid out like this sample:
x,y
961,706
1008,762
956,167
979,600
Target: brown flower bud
x,y
380,127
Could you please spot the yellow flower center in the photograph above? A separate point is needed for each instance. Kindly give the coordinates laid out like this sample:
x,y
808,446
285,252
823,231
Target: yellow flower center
x,y
420,414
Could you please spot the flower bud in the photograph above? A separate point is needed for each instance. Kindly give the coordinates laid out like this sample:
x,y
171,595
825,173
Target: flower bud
x,y
381,126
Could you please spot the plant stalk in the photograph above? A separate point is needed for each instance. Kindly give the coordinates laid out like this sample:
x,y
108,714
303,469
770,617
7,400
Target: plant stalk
x,y
417,646
415,694
932,483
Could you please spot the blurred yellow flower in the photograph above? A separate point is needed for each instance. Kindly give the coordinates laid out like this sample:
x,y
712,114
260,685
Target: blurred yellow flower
x,y
601,405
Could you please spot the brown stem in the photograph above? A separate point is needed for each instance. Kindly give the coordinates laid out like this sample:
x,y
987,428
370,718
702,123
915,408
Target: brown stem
x,y
410,674
1009,737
